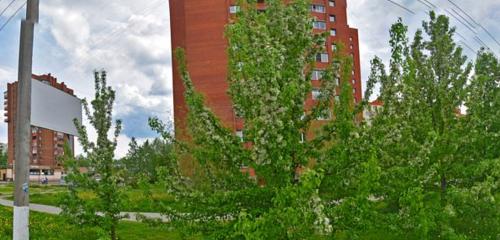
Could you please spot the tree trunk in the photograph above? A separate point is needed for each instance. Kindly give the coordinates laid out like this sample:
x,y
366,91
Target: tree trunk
x,y
113,232
443,190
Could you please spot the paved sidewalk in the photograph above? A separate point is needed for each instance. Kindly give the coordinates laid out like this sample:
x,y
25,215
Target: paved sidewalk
x,y
129,216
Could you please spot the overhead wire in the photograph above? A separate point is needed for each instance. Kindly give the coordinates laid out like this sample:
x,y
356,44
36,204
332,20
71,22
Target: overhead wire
x,y
5,9
465,20
475,22
460,21
426,4
12,16
402,7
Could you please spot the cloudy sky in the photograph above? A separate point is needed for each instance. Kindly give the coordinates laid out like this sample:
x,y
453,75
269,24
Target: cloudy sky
x,y
130,39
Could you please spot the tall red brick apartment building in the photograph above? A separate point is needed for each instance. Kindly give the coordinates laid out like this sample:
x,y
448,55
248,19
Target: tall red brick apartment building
x,y
198,27
46,145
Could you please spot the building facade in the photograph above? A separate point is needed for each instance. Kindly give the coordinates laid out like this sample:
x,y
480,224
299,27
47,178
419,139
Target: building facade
x,y
198,26
47,146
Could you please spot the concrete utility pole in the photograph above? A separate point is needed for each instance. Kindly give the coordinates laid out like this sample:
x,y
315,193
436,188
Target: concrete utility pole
x,y
23,124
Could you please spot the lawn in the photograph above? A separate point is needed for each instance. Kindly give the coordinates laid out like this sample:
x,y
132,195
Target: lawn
x,y
137,200
52,227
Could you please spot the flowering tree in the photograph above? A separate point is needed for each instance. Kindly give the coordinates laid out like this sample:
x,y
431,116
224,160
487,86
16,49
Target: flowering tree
x,y
103,178
433,164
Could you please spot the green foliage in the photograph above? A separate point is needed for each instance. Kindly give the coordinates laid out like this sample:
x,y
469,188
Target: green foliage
x,y
271,55
3,160
142,161
103,177
418,170
51,227
432,157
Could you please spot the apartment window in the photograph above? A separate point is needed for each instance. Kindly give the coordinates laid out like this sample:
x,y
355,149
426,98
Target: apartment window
x,y
350,39
47,172
316,74
331,3
334,47
239,134
333,32
318,8
234,9
322,57
332,18
34,171
319,25
337,81
351,46
316,93
326,114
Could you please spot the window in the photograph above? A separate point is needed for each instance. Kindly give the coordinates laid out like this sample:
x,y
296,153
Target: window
x,y
239,134
234,9
351,46
337,81
319,25
350,39
316,74
334,47
332,18
316,94
322,57
34,171
318,8
333,32
331,3
326,114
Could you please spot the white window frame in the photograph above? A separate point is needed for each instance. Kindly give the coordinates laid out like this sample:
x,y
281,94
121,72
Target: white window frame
x,y
323,57
317,74
316,94
234,9
321,25
318,8
239,133
333,32
332,18
323,118
331,3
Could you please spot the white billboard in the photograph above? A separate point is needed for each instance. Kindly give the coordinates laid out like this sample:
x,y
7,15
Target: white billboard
x,y
54,109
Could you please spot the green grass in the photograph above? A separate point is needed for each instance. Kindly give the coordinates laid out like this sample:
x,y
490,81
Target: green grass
x,y
137,200
52,227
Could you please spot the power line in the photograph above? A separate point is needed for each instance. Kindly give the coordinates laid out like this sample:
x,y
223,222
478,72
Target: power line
x,y
467,46
5,9
475,22
12,16
489,34
401,6
456,5
481,42
426,4
460,21
434,6
467,21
